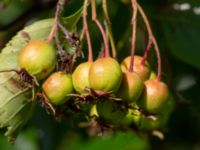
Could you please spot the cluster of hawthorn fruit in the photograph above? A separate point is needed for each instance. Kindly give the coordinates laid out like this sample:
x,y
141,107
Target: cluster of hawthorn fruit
x,y
146,100
120,94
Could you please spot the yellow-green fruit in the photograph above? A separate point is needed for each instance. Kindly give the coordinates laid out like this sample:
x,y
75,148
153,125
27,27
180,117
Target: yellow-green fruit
x,y
93,111
162,118
131,87
105,75
147,123
38,58
111,113
57,86
153,75
169,106
80,77
154,97
133,116
142,70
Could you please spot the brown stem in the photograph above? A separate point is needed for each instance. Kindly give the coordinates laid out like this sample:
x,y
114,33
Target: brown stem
x,y
109,28
86,32
68,35
58,43
82,35
134,24
151,37
59,8
94,18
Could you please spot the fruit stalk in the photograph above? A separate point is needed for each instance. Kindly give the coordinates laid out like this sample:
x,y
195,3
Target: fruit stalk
x,y
59,8
144,58
151,38
134,24
86,32
109,29
94,18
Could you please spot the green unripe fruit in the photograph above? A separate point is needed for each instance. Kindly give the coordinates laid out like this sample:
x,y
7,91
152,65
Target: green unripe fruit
x,y
153,75
131,87
161,118
133,116
57,86
111,113
38,58
147,123
80,77
142,70
105,75
93,111
170,105
155,95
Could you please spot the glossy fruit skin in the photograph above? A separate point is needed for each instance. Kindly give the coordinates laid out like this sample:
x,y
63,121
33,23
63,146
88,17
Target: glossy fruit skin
x,y
57,86
111,113
80,77
155,95
38,58
142,70
162,117
131,87
105,75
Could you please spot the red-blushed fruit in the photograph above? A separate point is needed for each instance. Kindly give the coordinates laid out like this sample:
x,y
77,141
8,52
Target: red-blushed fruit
x,y
57,86
38,58
80,77
154,97
142,70
131,87
111,112
161,119
105,75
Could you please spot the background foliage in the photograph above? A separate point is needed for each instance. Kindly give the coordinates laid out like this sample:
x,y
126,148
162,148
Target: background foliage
x,y
176,26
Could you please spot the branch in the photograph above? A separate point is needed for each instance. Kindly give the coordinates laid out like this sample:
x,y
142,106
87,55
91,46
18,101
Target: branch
x,y
59,9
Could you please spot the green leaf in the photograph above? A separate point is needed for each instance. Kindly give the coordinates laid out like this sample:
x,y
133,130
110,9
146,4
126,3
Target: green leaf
x,y
72,20
183,42
16,106
13,11
120,141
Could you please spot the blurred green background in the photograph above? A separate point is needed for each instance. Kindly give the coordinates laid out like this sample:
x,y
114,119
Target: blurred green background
x,y
176,25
